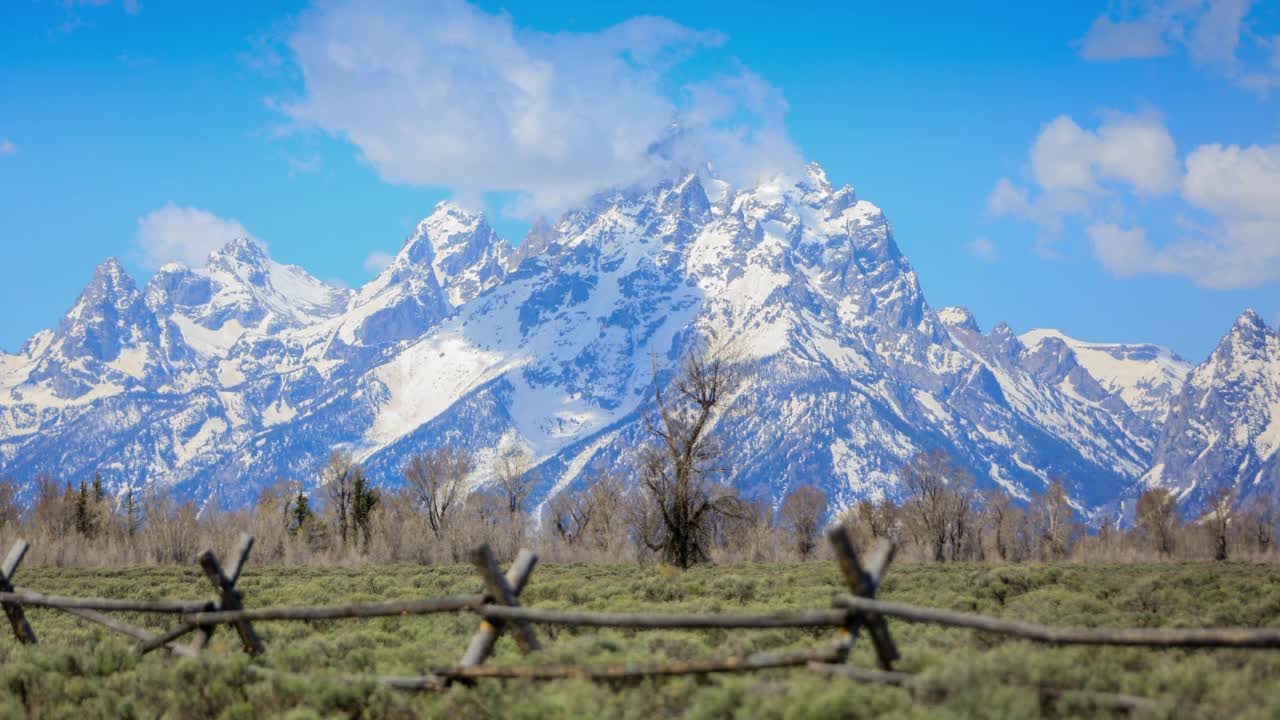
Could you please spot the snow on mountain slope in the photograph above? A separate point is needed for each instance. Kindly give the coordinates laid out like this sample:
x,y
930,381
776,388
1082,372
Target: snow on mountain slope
x,y
1223,428
850,357
1144,376
239,291
229,377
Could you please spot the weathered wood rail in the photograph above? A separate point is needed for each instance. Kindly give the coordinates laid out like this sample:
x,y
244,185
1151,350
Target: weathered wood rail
x,y
500,612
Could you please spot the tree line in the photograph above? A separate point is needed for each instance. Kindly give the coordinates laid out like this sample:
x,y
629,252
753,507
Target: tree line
x,y
678,511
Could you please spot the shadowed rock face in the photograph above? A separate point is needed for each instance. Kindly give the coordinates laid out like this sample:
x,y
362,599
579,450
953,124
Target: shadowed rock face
x,y
246,371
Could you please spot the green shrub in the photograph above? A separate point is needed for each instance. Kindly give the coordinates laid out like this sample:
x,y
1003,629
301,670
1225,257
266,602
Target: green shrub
x,y
82,671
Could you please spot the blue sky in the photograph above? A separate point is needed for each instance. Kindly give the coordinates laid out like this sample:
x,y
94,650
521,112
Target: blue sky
x,y
1109,169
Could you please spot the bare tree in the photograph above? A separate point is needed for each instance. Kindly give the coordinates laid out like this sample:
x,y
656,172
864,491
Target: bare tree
x,y
1157,519
571,512
963,537
339,477
749,534
677,469
512,471
643,522
940,507
172,530
482,516
9,508
1258,523
802,511
996,507
436,479
1218,521
1051,515
869,520
926,506
607,497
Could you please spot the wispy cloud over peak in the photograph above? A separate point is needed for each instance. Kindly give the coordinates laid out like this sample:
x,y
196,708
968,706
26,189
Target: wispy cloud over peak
x,y
185,234
443,94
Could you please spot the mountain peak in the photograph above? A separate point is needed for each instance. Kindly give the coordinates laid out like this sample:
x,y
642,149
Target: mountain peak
x,y
818,177
1249,322
958,317
110,266
448,214
106,317
244,257
448,224
1248,335
688,198
454,249
241,248
109,281
540,237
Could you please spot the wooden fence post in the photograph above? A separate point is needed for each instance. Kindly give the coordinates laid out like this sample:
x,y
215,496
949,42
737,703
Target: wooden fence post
x,y
505,591
228,597
864,582
18,619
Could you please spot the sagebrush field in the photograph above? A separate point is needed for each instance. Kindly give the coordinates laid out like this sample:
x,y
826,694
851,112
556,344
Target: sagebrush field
x,y
83,671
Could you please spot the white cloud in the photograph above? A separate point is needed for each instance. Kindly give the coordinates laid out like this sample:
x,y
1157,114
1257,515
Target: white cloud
x,y
1009,199
983,249
1124,253
1127,148
440,93
1216,35
377,261
1072,168
1235,182
1238,248
1096,177
184,234
7,147
1109,39
1231,256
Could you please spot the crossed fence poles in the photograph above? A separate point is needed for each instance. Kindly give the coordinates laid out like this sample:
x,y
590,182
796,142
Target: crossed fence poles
x,y
500,613
499,608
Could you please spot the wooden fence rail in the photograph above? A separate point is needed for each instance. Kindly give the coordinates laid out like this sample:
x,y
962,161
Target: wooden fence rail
x,y
30,598
1244,638
500,611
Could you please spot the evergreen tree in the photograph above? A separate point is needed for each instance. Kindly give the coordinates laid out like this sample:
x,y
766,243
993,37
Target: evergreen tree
x,y
364,500
83,512
130,512
301,512
99,494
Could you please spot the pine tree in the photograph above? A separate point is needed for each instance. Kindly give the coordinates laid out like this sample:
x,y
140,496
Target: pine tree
x,y
301,512
130,512
99,494
83,512
364,500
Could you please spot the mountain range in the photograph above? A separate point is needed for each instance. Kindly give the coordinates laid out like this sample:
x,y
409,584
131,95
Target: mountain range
x,y
214,382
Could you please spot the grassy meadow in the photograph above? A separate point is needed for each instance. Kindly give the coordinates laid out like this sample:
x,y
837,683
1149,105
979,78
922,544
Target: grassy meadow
x,y
82,671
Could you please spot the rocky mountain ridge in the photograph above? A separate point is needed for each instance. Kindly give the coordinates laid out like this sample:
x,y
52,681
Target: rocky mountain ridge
x,y
216,381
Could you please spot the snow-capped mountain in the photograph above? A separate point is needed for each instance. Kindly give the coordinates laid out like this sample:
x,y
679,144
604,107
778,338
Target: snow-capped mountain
x,y
216,381
1144,377
240,292
1223,428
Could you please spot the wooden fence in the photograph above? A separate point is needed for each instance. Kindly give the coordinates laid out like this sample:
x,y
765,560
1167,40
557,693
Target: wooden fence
x,y
500,612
